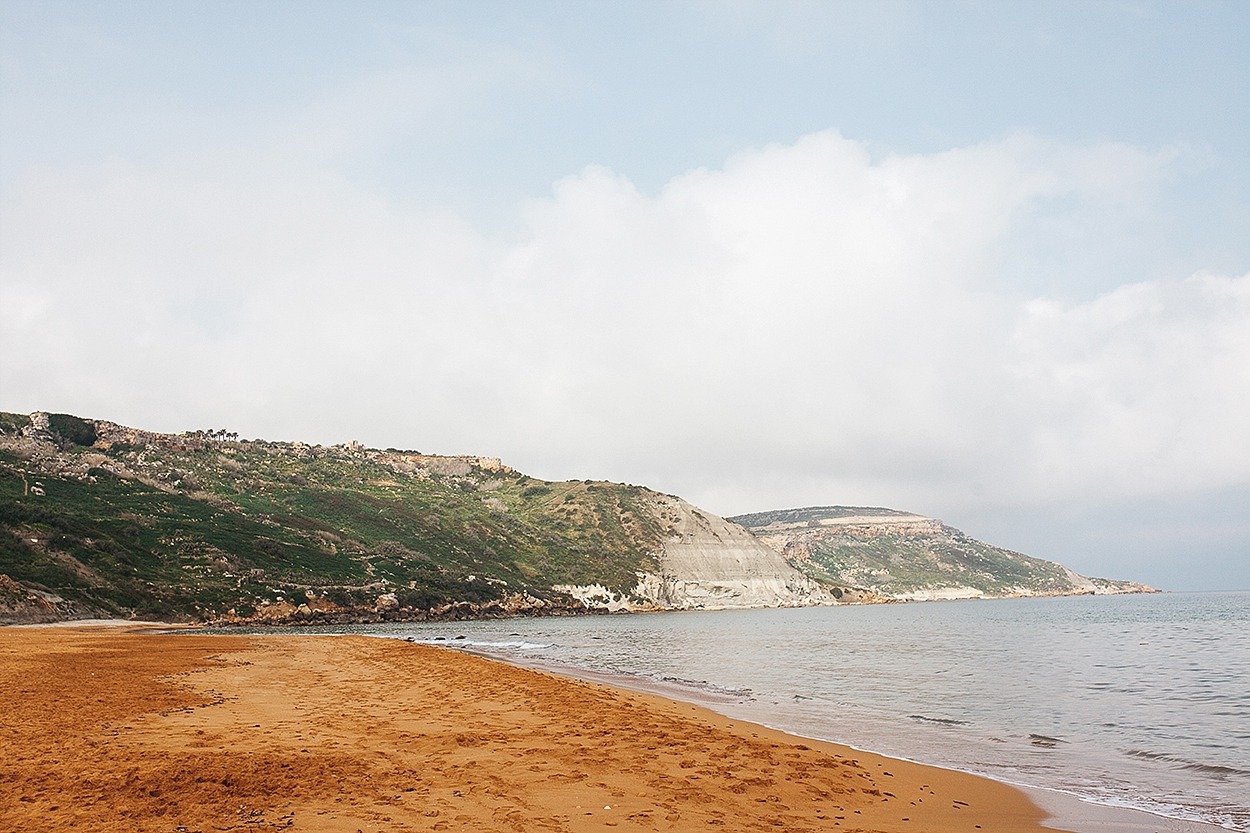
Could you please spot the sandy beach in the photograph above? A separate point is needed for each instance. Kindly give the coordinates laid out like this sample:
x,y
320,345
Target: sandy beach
x,y
112,729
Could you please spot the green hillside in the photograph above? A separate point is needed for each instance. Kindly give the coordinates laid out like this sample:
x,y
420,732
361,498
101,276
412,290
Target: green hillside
x,y
135,523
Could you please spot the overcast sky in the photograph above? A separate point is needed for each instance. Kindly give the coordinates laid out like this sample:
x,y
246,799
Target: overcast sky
x,y
988,262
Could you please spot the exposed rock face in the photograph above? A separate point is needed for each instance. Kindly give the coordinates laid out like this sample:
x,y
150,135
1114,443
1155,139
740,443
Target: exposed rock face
x,y
859,523
707,563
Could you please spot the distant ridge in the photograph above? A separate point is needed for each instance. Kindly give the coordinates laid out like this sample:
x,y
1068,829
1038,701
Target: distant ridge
x,y
912,557
810,513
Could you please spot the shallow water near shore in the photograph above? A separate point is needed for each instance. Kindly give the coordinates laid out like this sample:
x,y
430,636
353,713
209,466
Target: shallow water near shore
x,y
1129,701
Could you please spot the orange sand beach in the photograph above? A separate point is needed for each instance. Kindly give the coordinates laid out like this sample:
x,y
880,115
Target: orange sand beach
x,y
113,729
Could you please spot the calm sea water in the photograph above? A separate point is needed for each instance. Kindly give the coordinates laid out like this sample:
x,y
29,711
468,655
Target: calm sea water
x,y
1135,701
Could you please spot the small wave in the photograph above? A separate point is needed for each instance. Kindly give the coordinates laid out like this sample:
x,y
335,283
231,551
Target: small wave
x,y
522,646
704,685
1045,741
943,721
1185,763
461,642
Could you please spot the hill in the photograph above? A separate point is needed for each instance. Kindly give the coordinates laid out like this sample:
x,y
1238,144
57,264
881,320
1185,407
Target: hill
x,y
100,519
908,556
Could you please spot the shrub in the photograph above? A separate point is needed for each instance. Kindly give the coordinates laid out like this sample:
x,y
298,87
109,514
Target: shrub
x,y
72,429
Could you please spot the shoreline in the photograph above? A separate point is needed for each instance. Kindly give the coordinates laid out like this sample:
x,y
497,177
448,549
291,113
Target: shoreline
x,y
113,728
1065,811
1071,813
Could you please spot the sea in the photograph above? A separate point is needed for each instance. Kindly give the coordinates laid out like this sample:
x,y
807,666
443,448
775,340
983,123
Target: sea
x,y
1134,701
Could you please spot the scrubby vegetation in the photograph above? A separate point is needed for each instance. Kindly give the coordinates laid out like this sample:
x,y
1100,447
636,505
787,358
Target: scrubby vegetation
x,y
197,524
903,564
898,554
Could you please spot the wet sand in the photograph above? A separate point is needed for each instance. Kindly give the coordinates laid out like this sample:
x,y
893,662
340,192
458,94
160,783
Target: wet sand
x,y
109,729
1064,812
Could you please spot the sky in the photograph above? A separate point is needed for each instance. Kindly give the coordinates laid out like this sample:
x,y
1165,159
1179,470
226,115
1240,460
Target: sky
x,y
983,261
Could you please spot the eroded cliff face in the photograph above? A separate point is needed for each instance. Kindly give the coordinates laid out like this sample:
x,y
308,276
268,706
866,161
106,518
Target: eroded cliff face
x,y
707,563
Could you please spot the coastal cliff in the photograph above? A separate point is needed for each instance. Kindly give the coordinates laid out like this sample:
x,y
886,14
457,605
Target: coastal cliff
x,y
705,562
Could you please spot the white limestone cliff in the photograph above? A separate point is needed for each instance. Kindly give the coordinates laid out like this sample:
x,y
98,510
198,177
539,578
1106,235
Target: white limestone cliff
x,y
706,563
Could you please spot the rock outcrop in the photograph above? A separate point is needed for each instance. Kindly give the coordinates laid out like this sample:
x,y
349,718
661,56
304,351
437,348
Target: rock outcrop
x,y
24,605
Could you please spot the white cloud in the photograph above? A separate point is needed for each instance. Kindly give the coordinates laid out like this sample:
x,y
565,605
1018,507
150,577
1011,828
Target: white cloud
x,y
1145,388
806,324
